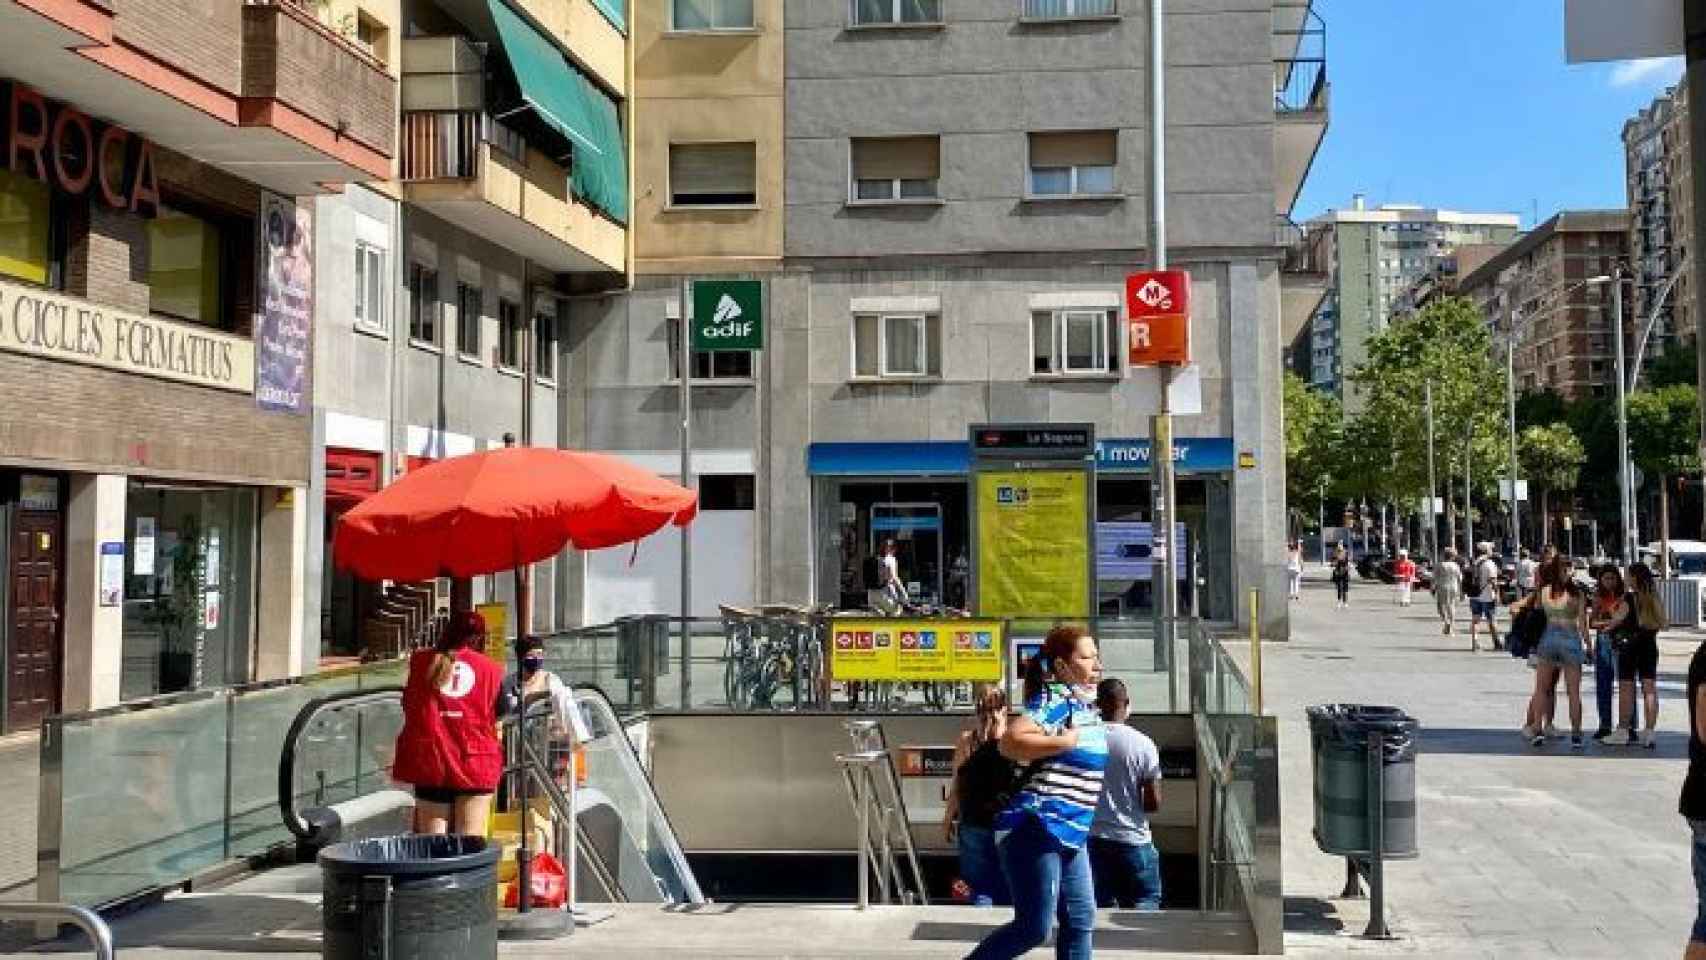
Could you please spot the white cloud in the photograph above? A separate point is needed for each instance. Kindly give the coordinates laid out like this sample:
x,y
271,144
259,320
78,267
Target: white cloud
x,y
1656,71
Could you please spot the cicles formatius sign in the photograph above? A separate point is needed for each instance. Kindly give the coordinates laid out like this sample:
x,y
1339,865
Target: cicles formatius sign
x,y
728,314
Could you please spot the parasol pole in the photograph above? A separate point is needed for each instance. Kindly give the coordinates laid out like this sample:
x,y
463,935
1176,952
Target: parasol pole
x,y
684,372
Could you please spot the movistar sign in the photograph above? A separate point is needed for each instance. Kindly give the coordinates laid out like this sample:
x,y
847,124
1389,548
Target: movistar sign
x,y
728,315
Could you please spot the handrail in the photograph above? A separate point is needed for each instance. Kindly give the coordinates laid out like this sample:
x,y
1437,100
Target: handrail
x,y
294,821
100,935
870,750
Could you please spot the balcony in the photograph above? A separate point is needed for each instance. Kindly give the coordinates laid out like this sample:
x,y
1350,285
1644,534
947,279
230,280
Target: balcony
x,y
1303,275
1301,94
590,32
290,59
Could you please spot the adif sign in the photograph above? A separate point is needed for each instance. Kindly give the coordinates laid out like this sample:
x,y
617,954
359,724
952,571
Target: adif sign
x,y
1158,317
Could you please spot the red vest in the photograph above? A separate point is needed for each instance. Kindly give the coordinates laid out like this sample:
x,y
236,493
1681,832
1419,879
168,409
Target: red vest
x,y
449,739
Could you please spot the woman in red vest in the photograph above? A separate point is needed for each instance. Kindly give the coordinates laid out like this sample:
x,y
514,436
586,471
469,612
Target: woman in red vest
x,y
449,748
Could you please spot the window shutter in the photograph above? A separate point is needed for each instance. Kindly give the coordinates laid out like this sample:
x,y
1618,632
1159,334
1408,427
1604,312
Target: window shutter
x,y
1092,148
712,168
897,158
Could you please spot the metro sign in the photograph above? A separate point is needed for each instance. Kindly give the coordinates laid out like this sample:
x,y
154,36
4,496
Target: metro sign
x,y
1158,315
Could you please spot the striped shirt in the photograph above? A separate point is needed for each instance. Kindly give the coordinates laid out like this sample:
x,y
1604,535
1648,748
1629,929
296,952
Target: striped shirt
x,y
1061,792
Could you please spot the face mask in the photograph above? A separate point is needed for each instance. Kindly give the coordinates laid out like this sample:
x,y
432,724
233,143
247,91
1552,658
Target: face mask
x,y
531,665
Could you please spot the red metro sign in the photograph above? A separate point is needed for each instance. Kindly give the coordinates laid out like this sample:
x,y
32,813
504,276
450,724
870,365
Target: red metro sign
x,y
1158,317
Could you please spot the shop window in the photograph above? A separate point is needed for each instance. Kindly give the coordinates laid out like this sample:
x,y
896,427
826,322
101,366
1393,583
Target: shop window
x,y
713,174
1066,342
469,302
726,491
424,306
1078,164
370,286
510,334
545,346
711,15
867,13
900,345
896,169
184,268
708,364
25,229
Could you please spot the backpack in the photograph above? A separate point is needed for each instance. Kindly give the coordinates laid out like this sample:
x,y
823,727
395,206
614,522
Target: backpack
x,y
1472,585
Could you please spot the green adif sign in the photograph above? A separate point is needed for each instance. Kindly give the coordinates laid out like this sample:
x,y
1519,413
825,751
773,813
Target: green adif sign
x,y
728,315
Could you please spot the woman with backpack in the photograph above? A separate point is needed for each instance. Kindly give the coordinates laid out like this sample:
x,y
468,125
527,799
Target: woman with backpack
x,y
1562,649
1639,657
983,778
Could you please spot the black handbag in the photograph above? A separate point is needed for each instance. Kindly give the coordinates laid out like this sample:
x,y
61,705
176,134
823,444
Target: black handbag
x,y
1526,629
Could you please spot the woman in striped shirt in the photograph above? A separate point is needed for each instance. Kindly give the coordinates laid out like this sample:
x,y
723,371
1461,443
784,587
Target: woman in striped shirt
x,y
1040,832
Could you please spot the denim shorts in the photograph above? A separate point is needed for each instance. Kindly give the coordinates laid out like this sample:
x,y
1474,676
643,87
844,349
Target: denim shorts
x,y
1562,646
1482,609
1699,829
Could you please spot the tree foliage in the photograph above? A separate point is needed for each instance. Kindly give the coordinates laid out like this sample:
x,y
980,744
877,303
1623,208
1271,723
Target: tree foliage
x,y
1676,366
1551,456
1314,425
1664,429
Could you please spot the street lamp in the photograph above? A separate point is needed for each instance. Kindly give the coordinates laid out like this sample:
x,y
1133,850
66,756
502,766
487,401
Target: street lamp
x,y
1624,496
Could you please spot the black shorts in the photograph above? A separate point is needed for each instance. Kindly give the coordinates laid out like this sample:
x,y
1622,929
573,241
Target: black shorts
x,y
1639,658
446,795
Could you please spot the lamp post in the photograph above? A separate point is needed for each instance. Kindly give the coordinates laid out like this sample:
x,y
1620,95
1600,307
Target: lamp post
x,y
1510,407
1624,499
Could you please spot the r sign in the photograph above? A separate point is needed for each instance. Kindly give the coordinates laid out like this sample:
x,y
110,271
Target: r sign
x,y
1158,311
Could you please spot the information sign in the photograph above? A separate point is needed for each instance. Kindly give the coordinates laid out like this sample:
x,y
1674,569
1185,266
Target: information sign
x,y
1033,546
902,650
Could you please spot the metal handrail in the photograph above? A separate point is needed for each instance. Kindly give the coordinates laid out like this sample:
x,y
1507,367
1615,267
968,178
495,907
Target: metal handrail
x,y
293,820
870,754
100,935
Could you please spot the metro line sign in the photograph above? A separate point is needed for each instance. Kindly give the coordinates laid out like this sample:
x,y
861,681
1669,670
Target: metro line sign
x,y
1158,317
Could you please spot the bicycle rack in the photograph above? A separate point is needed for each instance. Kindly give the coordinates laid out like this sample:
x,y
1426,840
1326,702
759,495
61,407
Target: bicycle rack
x,y
874,787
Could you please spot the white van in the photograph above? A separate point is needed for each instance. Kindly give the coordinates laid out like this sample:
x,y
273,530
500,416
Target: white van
x,y
1687,558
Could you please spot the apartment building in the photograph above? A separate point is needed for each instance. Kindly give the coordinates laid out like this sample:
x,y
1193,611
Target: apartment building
x,y
1661,208
928,266
1376,255
1537,300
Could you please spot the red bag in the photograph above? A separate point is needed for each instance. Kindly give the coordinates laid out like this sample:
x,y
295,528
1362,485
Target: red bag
x,y
550,883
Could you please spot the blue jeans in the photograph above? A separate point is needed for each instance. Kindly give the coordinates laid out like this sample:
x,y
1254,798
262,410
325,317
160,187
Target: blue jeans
x,y
1698,828
980,867
1126,875
1605,681
1048,882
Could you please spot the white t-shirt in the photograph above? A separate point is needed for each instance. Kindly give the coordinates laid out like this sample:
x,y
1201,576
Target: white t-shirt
x,y
1132,762
1488,571
1525,574
891,570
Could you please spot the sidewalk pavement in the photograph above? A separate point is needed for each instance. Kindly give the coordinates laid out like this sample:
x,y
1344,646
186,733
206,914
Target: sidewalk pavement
x,y
1524,852
19,793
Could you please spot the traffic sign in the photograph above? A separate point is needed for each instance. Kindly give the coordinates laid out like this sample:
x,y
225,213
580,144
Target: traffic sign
x,y
728,315
1158,315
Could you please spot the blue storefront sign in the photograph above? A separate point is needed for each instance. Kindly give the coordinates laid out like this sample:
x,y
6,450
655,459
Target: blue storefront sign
x,y
1190,455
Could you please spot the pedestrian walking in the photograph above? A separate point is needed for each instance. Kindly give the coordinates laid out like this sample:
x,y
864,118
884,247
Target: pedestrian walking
x,y
1609,622
1692,804
1483,591
448,749
1638,659
1123,861
1342,575
1561,650
1294,569
1525,569
983,778
1042,830
1448,586
1404,576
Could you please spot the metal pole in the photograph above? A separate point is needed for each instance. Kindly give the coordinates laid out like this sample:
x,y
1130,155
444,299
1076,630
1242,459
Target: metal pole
x,y
1626,519
1433,484
1161,450
1468,496
1320,524
1510,405
684,372
1376,785
862,800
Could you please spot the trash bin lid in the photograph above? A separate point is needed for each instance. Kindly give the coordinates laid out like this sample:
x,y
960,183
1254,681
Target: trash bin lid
x,y
409,855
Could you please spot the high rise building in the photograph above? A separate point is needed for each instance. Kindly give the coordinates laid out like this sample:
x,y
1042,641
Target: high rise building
x,y
1661,208
1376,256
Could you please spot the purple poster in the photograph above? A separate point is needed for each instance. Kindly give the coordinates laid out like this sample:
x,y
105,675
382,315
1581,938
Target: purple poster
x,y
284,328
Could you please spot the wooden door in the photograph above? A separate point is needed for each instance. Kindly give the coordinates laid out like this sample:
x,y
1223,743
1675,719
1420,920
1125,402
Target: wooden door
x,y
33,658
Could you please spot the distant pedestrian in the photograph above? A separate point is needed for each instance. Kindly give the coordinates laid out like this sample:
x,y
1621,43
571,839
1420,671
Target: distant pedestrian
x,y
1342,575
1404,576
1639,657
1561,650
1693,802
983,778
1483,590
1294,568
1525,568
1610,623
1448,587
1123,861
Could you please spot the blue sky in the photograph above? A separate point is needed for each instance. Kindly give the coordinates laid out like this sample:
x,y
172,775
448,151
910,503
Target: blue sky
x,y
1468,105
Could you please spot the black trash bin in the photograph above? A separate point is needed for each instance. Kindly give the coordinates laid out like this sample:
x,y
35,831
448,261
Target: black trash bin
x,y
411,898
1340,757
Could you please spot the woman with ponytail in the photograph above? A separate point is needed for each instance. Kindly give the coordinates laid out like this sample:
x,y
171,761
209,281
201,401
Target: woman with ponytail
x,y
1042,828
448,749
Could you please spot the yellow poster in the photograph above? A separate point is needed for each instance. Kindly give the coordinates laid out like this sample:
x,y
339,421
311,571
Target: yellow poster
x,y
497,631
1033,544
901,650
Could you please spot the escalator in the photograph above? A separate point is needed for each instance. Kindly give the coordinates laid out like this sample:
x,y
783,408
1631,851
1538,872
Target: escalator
x,y
334,784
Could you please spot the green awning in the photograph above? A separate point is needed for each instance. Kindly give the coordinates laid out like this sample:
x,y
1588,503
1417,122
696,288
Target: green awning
x,y
568,102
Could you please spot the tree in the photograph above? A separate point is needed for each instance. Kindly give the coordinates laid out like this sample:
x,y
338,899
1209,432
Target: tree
x,y
1314,425
1678,365
1551,458
1664,437
1540,408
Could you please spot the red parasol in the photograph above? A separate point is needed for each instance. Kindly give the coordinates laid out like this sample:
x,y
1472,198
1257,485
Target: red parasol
x,y
503,509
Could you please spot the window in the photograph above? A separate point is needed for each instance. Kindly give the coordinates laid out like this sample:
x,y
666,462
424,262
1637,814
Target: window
x,y
1067,9
713,174
897,345
711,15
880,12
424,308
1074,342
708,364
510,335
370,36
896,169
184,267
25,228
726,491
469,302
369,286
1073,164
545,346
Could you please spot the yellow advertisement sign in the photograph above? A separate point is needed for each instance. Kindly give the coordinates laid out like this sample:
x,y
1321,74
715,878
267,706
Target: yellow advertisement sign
x,y
901,650
1033,543
497,631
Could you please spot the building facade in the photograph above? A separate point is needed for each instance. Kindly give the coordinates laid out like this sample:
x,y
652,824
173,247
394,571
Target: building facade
x,y
1377,254
1536,291
1661,206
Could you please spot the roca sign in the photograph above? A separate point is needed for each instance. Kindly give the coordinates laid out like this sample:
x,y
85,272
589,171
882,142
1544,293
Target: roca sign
x,y
58,144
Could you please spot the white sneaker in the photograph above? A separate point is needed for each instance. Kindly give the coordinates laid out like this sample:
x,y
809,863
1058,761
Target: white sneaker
x,y
1650,739
1551,731
1527,732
